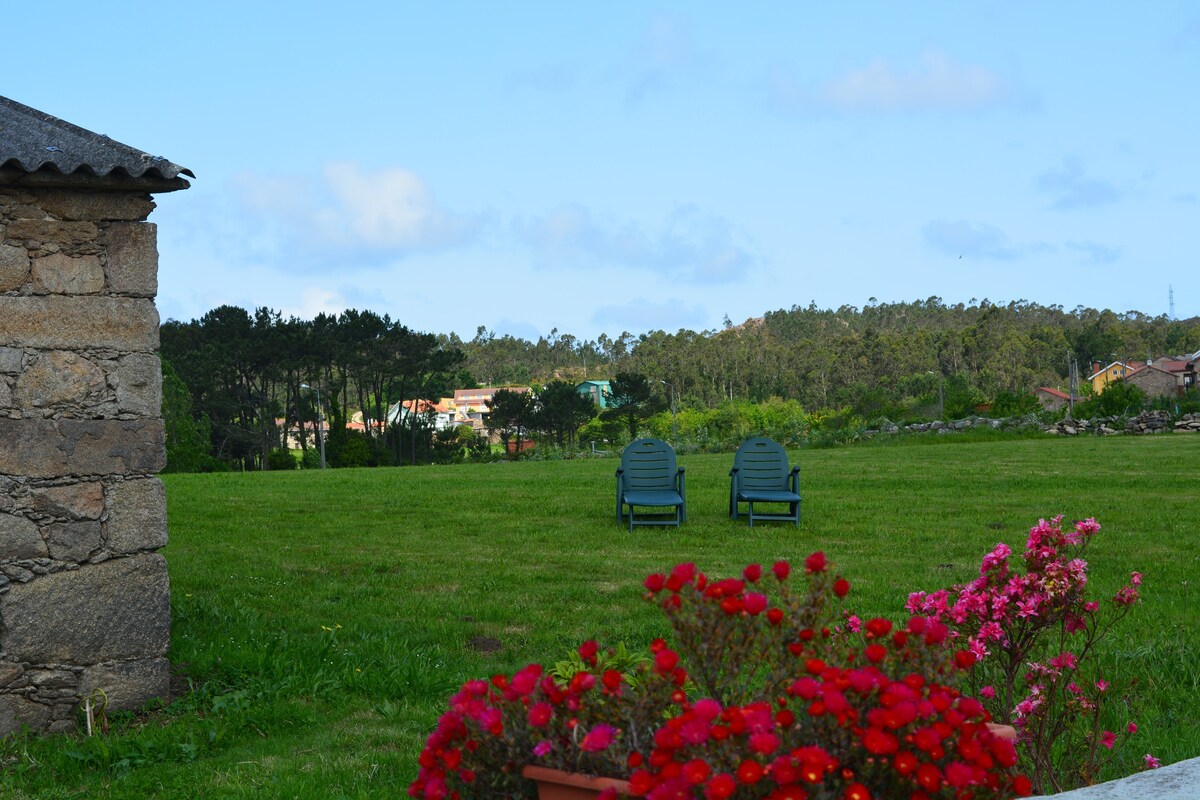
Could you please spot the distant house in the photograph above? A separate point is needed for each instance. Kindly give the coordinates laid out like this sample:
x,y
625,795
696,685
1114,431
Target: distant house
x,y
1154,381
472,404
1102,376
445,413
1051,399
1176,366
1189,371
598,391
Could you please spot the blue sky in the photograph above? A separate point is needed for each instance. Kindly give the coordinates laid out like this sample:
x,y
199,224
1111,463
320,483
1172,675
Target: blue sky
x,y
631,166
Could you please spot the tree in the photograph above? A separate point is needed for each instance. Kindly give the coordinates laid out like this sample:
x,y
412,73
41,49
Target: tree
x,y
510,414
187,438
560,410
632,400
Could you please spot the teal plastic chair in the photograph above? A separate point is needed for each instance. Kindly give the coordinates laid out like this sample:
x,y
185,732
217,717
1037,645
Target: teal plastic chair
x,y
649,478
761,474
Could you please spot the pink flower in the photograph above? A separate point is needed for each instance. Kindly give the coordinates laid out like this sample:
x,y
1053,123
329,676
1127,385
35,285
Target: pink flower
x,y
1108,739
1135,578
1064,660
854,623
1131,727
991,630
978,649
1151,761
915,602
598,738
542,748
988,691
1029,607
1102,686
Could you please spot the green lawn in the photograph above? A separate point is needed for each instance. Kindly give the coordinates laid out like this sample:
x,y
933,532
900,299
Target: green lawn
x,y
322,618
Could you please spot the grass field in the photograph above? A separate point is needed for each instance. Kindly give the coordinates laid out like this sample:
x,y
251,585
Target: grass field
x,y
322,618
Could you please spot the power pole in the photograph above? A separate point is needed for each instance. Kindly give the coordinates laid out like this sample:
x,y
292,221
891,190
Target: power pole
x,y
1073,384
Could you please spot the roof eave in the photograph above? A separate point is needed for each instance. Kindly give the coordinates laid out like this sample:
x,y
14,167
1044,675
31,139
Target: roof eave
x,y
112,182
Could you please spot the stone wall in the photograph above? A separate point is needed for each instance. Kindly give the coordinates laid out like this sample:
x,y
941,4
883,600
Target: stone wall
x,y
84,601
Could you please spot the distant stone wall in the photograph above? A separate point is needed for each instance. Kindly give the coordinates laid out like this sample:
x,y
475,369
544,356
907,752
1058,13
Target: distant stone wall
x,y
84,599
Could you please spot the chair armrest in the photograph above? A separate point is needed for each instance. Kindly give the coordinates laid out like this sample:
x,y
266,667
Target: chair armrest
x,y
794,480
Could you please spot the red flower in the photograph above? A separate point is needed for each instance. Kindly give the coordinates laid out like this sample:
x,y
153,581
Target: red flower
x,y
754,603
720,787
904,763
781,569
841,587
598,738
929,777
696,771
749,772
815,562
665,660
879,742
775,616
588,650
878,627
654,583
540,714
684,572
752,573
856,791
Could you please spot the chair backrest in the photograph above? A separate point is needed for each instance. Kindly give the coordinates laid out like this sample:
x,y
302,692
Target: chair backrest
x,y
761,463
648,464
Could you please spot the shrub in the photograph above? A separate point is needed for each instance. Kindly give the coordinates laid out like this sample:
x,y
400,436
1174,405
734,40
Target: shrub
x,y
777,704
1032,634
281,458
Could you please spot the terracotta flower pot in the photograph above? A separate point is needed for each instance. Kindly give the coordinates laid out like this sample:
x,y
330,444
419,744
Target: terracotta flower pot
x,y
554,784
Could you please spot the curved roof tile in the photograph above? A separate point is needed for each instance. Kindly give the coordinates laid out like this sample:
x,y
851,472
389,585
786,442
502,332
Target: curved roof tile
x,y
33,141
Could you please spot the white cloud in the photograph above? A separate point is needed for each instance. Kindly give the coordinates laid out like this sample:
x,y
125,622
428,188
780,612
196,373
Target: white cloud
x,y
972,239
1095,253
689,245
935,82
664,55
345,211
1071,188
316,300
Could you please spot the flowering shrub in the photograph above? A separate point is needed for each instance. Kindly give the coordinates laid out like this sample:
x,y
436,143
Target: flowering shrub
x,y
783,705
1031,633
